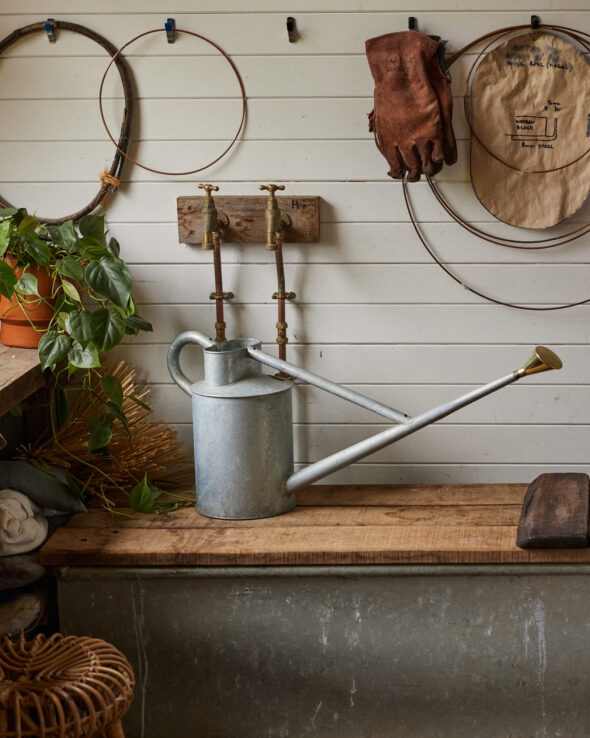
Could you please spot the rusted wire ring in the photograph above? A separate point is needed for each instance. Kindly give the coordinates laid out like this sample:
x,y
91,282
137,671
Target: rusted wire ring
x,y
242,91
118,163
463,284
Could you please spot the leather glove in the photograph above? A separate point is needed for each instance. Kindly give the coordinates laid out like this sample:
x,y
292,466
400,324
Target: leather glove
x,y
411,93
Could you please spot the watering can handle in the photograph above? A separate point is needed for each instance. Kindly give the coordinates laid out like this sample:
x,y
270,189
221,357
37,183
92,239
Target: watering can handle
x,y
174,356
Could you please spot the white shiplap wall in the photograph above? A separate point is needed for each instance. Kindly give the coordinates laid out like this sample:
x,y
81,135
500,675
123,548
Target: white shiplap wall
x,y
372,310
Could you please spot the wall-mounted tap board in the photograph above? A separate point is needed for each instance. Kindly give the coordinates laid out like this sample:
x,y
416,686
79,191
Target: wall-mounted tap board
x,y
246,218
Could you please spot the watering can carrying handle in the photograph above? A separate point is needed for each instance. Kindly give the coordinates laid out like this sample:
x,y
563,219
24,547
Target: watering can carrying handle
x,y
174,356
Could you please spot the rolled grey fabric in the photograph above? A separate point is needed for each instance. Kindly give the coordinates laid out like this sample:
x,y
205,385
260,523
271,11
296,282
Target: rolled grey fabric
x,y
22,529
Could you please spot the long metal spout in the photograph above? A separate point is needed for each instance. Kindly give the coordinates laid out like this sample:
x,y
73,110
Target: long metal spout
x,y
358,451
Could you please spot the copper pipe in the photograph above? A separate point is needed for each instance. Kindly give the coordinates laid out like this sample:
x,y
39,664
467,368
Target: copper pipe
x,y
281,296
220,322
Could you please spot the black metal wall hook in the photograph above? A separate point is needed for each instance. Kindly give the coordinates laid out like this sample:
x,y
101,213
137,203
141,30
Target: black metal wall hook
x,y
535,22
291,30
412,23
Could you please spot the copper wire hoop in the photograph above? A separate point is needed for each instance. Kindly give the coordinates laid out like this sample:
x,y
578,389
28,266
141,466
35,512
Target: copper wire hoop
x,y
118,162
463,284
242,91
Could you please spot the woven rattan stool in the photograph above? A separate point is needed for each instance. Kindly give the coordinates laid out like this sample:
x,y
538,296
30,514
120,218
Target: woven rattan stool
x,y
63,686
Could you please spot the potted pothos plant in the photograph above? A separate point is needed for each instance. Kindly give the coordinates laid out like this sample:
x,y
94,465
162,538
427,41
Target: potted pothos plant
x,y
68,286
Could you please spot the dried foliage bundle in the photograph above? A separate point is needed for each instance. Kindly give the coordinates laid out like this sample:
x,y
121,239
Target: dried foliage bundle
x,y
149,448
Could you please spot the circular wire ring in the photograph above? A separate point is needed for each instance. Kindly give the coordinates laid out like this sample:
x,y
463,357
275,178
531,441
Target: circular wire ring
x,y
118,163
242,91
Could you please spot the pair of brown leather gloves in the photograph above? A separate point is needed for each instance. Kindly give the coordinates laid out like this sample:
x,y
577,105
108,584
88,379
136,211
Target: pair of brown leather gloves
x,y
412,117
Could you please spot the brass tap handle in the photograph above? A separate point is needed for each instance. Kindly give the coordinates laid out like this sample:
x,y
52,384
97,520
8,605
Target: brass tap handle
x,y
272,188
208,188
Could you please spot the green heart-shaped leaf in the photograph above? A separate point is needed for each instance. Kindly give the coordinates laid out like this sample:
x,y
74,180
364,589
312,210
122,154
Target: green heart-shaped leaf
x,y
109,329
70,267
141,498
110,278
53,348
27,284
93,226
36,248
28,224
64,235
112,389
100,436
4,236
114,247
80,326
137,323
8,280
83,358
70,290
91,249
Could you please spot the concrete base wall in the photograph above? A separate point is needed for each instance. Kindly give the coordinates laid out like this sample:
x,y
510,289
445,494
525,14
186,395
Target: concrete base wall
x,y
410,652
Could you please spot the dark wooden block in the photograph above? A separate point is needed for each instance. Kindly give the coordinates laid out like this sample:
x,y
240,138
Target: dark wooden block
x,y
555,512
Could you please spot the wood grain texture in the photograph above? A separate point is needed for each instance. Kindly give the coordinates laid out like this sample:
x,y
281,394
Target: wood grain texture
x,y
331,526
555,512
247,221
20,376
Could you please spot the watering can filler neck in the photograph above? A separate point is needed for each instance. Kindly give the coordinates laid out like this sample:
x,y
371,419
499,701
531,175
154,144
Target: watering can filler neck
x,y
250,414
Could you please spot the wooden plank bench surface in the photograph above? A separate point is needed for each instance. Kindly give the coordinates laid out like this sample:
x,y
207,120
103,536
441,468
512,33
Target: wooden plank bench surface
x,y
393,524
20,376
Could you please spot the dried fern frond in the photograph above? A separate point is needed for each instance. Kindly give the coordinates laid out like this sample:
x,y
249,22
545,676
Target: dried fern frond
x,y
153,448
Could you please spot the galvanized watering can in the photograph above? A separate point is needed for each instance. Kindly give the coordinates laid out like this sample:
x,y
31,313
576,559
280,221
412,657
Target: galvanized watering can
x,y
242,425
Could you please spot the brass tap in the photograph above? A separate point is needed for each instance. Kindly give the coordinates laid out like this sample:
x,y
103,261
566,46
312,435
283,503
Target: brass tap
x,y
276,221
213,221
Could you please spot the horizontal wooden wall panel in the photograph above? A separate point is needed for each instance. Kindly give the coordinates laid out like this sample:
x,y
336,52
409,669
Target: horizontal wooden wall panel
x,y
348,243
357,364
184,119
345,323
262,160
342,202
518,404
447,444
535,284
187,7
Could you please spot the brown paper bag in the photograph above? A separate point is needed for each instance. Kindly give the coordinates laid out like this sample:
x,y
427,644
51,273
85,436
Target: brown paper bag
x,y
530,103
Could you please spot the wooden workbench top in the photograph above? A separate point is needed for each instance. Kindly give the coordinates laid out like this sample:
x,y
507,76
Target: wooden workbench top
x,y
427,524
20,376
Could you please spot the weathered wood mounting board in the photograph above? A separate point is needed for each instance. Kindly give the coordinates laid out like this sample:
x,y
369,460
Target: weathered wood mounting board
x,y
246,218
332,525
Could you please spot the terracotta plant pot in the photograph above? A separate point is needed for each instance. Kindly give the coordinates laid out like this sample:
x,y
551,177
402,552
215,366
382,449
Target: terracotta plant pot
x,y
16,328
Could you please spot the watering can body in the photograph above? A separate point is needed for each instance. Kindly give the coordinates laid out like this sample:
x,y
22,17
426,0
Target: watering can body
x,y
243,437
243,442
